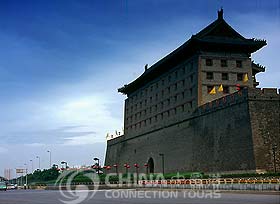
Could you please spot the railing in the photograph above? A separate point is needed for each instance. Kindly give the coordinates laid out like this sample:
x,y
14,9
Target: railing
x,y
218,184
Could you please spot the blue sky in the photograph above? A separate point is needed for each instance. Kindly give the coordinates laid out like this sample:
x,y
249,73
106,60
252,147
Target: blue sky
x,y
62,61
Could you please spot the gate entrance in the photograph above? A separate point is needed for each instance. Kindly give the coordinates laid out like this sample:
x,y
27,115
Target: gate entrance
x,y
151,166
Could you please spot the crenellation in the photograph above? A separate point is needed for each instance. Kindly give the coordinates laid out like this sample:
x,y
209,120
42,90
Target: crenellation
x,y
223,102
264,94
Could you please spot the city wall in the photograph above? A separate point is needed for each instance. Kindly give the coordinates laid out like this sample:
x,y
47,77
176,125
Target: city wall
x,y
233,133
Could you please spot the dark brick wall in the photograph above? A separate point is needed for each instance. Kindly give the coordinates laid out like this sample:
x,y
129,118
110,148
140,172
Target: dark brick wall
x,y
223,140
217,138
264,107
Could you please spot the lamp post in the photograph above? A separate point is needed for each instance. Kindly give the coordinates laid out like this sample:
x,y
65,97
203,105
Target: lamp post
x,y
26,171
136,168
116,168
31,165
50,158
147,168
108,168
39,160
126,168
104,169
162,159
66,165
98,163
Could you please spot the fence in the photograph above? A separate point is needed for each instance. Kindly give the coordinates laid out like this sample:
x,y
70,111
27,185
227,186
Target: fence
x,y
217,184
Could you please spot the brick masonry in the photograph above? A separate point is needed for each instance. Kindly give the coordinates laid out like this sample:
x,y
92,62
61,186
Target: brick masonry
x,y
232,133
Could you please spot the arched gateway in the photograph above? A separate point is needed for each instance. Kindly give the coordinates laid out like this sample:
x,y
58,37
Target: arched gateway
x,y
151,166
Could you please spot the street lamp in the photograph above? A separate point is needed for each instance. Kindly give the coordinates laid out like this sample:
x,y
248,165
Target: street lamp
x,y
104,169
137,172
50,158
108,168
98,163
39,160
64,162
162,159
25,176
116,167
147,168
32,165
126,168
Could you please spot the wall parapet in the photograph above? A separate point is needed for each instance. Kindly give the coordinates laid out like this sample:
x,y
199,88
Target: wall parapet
x,y
263,94
115,140
114,135
239,97
223,102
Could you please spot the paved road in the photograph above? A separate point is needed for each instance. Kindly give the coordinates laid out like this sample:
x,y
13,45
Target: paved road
x,y
137,197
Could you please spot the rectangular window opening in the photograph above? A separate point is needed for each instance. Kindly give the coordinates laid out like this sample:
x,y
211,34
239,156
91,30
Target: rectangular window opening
x,y
239,76
191,78
225,89
239,63
223,63
168,102
224,76
209,62
209,75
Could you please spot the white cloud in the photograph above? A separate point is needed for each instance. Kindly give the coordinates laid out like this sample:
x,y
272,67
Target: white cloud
x,y
82,140
35,144
94,113
74,120
3,150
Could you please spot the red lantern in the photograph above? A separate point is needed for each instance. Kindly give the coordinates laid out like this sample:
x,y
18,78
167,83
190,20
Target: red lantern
x,y
238,88
136,165
146,165
127,166
104,167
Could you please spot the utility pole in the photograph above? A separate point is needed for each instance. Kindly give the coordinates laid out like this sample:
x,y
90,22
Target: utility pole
x,y
39,162
26,171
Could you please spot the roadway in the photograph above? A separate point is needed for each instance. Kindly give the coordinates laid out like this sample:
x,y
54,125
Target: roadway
x,y
138,197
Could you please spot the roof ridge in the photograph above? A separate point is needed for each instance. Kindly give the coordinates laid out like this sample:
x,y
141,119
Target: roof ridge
x,y
208,29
